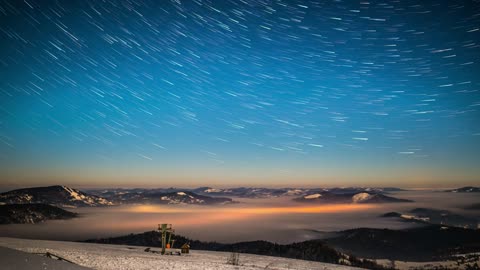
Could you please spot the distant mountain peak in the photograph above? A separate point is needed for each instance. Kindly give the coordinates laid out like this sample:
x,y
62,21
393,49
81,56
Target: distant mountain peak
x,y
186,197
361,197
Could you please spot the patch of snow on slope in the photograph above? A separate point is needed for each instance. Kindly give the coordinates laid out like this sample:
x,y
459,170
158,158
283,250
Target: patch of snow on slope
x,y
294,192
313,196
75,195
181,193
212,190
361,197
425,219
27,197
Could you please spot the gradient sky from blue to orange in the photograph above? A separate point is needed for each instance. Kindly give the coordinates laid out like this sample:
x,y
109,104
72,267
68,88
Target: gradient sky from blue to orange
x,y
229,93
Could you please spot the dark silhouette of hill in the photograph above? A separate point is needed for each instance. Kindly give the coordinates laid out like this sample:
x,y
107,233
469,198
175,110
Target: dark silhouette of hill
x,y
31,213
427,243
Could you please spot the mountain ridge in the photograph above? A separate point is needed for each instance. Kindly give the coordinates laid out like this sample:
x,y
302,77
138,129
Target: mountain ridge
x,y
55,195
359,197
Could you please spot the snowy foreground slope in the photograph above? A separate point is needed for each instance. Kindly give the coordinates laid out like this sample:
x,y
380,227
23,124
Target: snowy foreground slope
x,y
99,256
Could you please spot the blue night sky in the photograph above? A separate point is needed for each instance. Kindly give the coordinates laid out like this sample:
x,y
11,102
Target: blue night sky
x,y
290,93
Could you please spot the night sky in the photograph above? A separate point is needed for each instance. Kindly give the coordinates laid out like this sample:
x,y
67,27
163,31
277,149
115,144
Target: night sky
x,y
291,93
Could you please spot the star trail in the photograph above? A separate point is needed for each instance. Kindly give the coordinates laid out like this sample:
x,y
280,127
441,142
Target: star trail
x,y
240,92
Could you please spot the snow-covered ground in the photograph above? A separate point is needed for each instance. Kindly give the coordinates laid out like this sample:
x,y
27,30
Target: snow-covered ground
x,y
116,257
452,264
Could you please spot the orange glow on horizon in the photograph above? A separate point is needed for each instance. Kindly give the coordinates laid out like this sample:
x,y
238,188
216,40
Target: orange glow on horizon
x,y
328,208
201,215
